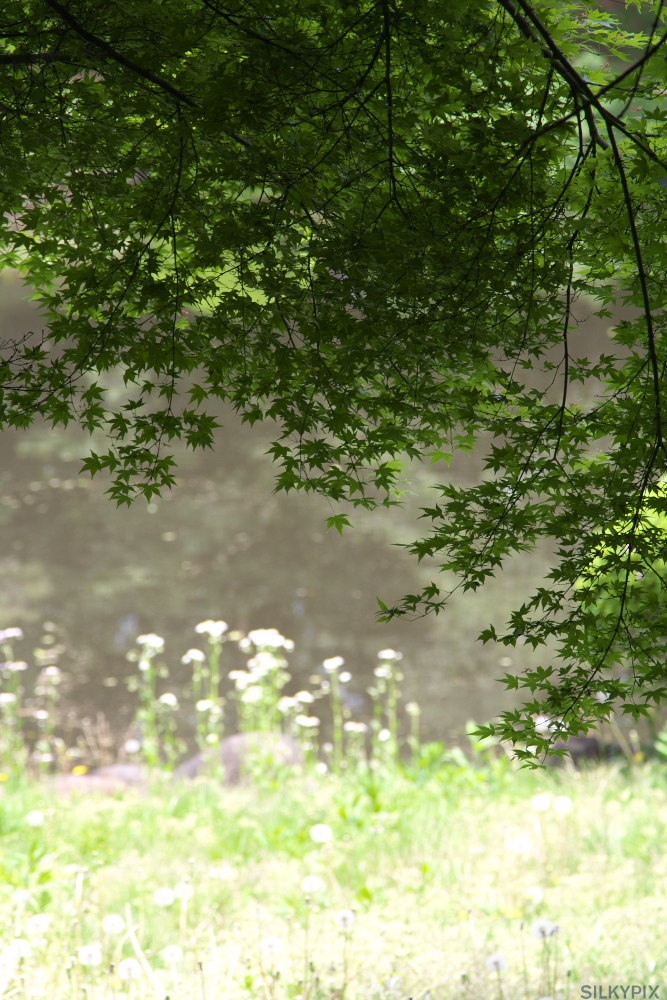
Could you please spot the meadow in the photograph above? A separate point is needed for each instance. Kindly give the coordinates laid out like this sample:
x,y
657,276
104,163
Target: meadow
x,y
384,868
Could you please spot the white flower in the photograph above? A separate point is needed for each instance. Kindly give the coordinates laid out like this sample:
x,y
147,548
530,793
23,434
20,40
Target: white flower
x,y
184,890
563,805
271,945
224,872
172,953
193,656
519,844
321,833
333,663
321,767
16,665
412,708
35,818
263,663
543,929
41,714
168,699
38,924
129,968
312,884
384,735
269,638
535,894
355,727
286,704
10,633
241,679
213,629
345,919
252,695
19,948
307,721
91,954
164,897
50,672
204,705
7,698
382,672
132,746
245,645
345,676
541,802
496,963
151,642
389,654
212,739
113,924
305,697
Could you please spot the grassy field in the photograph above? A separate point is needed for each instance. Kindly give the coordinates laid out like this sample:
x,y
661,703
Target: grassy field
x,y
378,883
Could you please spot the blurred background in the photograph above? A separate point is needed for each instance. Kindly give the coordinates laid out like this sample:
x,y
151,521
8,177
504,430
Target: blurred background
x,y
83,578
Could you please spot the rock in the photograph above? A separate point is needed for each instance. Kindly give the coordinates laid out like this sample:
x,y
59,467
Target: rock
x,y
235,750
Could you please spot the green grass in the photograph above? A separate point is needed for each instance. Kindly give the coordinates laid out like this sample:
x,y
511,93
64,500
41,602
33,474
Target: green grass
x,y
443,873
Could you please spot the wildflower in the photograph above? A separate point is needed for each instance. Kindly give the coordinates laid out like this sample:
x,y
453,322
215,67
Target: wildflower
x,y
41,714
51,672
382,672
16,665
168,699
541,802
307,721
496,963
132,746
384,735
305,697
389,654
412,708
535,894
20,948
269,638
213,629
520,844
193,656
113,924
263,663
271,945
7,698
151,642
285,704
333,663
10,633
35,818
241,679
321,767
164,897
345,676
212,738
252,695
562,805
38,924
129,968
321,833
345,919
312,884
172,953
204,705
543,929
90,954
355,727
184,890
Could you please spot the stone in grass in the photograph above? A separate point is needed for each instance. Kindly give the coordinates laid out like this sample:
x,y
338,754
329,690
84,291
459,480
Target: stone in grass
x,y
235,753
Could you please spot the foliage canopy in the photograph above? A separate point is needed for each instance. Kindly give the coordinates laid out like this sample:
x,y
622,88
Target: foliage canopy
x,y
368,221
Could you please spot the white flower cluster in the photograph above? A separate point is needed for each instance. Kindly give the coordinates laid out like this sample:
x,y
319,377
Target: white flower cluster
x,y
10,633
265,639
151,643
215,630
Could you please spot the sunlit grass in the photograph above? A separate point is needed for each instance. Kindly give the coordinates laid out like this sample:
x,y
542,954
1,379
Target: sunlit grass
x,y
440,879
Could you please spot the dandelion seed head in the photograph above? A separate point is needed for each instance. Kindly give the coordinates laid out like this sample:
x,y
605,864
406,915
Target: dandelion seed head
x,y
129,968
38,924
35,818
562,805
113,923
184,889
321,833
164,896
90,954
271,945
345,919
543,929
172,953
312,884
496,963
541,802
